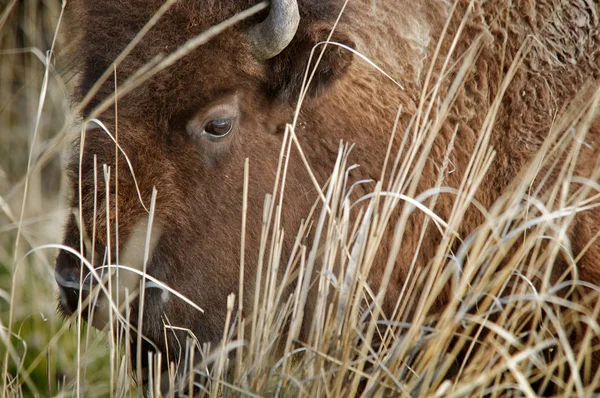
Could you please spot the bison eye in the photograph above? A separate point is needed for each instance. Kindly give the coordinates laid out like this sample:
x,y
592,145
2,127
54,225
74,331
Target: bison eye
x,y
218,127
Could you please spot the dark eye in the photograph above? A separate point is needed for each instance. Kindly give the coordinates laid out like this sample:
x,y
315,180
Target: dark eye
x,y
218,127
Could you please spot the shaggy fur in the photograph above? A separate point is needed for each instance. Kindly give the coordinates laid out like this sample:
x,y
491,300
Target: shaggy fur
x,y
200,182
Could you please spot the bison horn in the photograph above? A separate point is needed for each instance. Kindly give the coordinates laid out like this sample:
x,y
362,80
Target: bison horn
x,y
274,34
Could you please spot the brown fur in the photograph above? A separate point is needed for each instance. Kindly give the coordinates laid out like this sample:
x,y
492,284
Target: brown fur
x,y
200,184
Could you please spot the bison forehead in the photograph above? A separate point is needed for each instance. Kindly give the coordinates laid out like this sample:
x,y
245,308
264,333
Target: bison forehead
x,y
110,28
110,23
198,79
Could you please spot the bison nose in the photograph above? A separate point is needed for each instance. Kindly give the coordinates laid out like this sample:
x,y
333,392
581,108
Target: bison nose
x,y
66,274
69,289
69,293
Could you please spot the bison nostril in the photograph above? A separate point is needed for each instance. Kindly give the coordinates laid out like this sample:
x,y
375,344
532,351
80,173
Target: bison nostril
x,y
69,290
68,299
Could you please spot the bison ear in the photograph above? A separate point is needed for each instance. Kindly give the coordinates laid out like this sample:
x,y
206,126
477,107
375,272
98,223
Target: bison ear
x,y
287,70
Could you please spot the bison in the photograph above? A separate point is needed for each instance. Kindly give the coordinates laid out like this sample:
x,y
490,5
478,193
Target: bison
x,y
399,65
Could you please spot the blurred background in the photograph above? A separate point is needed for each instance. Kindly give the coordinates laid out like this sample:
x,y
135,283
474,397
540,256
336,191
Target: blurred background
x,y
35,121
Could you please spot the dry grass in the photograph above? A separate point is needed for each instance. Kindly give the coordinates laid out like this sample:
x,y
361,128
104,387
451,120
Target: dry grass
x,y
33,108
501,335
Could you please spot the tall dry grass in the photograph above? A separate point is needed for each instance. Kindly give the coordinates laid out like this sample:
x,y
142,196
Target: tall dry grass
x,y
36,345
500,335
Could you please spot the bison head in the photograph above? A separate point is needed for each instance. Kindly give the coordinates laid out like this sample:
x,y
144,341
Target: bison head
x,y
187,132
